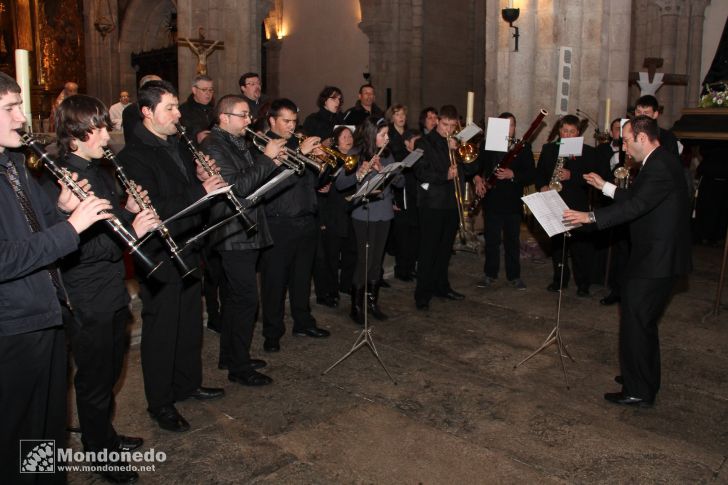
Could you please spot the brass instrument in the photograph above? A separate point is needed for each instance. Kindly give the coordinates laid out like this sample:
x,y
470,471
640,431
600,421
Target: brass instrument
x,y
555,183
468,152
294,159
330,155
459,200
162,229
248,225
64,176
621,176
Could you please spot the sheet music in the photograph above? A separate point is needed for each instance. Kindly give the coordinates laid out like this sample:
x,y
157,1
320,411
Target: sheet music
x,y
412,158
496,138
200,201
571,146
253,198
468,132
548,208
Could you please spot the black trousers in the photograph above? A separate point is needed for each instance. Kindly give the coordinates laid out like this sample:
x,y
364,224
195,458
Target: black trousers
x,y
171,340
376,234
98,343
32,398
239,308
335,262
438,228
619,258
581,248
643,302
509,225
288,266
212,285
406,240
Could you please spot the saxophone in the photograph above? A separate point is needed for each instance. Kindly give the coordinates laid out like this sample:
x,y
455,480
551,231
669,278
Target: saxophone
x,y
555,183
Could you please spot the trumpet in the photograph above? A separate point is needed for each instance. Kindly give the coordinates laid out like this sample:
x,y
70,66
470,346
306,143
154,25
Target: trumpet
x,y
162,228
294,159
248,225
64,176
331,156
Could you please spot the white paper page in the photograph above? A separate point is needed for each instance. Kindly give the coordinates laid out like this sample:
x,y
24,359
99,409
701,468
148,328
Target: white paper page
x,y
571,146
468,132
548,208
496,137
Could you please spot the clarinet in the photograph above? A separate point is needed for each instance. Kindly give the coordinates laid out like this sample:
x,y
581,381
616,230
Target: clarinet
x,y
64,176
248,225
162,228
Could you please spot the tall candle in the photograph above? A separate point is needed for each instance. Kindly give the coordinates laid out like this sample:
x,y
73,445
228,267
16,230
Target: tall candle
x,y
22,76
606,115
469,112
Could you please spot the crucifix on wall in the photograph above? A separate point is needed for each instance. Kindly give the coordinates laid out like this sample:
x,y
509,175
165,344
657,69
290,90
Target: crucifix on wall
x,y
650,81
201,47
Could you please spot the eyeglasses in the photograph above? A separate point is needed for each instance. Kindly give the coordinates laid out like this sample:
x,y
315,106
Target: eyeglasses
x,y
205,90
244,114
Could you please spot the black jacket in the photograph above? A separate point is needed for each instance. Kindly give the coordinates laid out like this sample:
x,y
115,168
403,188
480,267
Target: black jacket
x,y
150,162
295,197
245,174
657,209
505,196
357,114
28,299
255,106
322,123
94,274
432,170
196,117
575,191
130,118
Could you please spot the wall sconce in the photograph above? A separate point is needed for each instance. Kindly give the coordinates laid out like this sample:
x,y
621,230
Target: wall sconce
x,y
510,15
104,26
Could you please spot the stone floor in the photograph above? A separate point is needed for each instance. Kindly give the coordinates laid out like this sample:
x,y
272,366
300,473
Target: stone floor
x,y
460,412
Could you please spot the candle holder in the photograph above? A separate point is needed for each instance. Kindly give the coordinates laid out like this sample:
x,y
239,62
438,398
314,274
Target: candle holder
x,y
510,15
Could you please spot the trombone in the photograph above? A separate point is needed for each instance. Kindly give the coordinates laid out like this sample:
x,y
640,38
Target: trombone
x,y
294,159
458,191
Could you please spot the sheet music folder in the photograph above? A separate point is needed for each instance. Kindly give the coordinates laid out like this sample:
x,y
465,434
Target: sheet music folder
x,y
376,182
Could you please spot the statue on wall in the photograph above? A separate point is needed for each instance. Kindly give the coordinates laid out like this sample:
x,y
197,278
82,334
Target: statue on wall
x,y
202,47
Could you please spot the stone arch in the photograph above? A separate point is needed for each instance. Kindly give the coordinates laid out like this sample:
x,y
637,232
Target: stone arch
x,y
142,29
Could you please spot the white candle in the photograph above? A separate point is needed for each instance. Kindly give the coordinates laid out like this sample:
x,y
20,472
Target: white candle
x,y
606,115
22,76
469,111
510,3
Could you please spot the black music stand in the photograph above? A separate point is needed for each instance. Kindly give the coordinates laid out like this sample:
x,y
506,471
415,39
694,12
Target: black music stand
x,y
555,336
548,208
368,191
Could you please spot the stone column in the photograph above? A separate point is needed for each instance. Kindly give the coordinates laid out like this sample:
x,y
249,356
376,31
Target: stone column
x,y
670,11
695,46
616,62
102,53
273,79
415,71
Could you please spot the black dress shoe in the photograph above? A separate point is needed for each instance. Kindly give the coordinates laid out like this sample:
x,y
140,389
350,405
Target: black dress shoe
x,y
314,332
128,443
251,378
621,398
168,418
207,393
452,295
610,299
258,363
271,345
113,475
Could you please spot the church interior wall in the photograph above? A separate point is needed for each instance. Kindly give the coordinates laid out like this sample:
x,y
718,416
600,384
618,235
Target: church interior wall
x,y
716,15
339,58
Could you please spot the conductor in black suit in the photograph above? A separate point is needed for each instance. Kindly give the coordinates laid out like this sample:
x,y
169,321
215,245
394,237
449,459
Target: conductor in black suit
x,y
656,207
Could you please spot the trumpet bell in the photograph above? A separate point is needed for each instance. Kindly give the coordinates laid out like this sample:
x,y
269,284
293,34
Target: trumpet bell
x,y
468,153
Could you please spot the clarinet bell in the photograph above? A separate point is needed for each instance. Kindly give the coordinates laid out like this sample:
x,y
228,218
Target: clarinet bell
x,y
147,264
249,226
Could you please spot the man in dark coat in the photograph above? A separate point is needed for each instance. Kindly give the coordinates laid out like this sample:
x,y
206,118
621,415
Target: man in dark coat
x,y
172,307
656,207
239,251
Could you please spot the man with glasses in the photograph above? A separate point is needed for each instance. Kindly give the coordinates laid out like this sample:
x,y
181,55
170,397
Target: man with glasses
x,y
197,111
291,214
250,86
239,251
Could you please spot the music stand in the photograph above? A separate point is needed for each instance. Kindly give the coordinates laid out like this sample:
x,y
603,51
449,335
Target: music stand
x,y
370,189
555,336
548,208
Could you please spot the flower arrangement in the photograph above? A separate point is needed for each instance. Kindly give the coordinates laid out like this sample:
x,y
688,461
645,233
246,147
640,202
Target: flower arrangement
x,y
716,95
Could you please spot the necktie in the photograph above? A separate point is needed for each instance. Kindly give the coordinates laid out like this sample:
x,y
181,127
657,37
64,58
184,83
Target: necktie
x,y
12,174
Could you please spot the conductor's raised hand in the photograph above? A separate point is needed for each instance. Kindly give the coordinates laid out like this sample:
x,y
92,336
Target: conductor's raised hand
x,y
594,180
